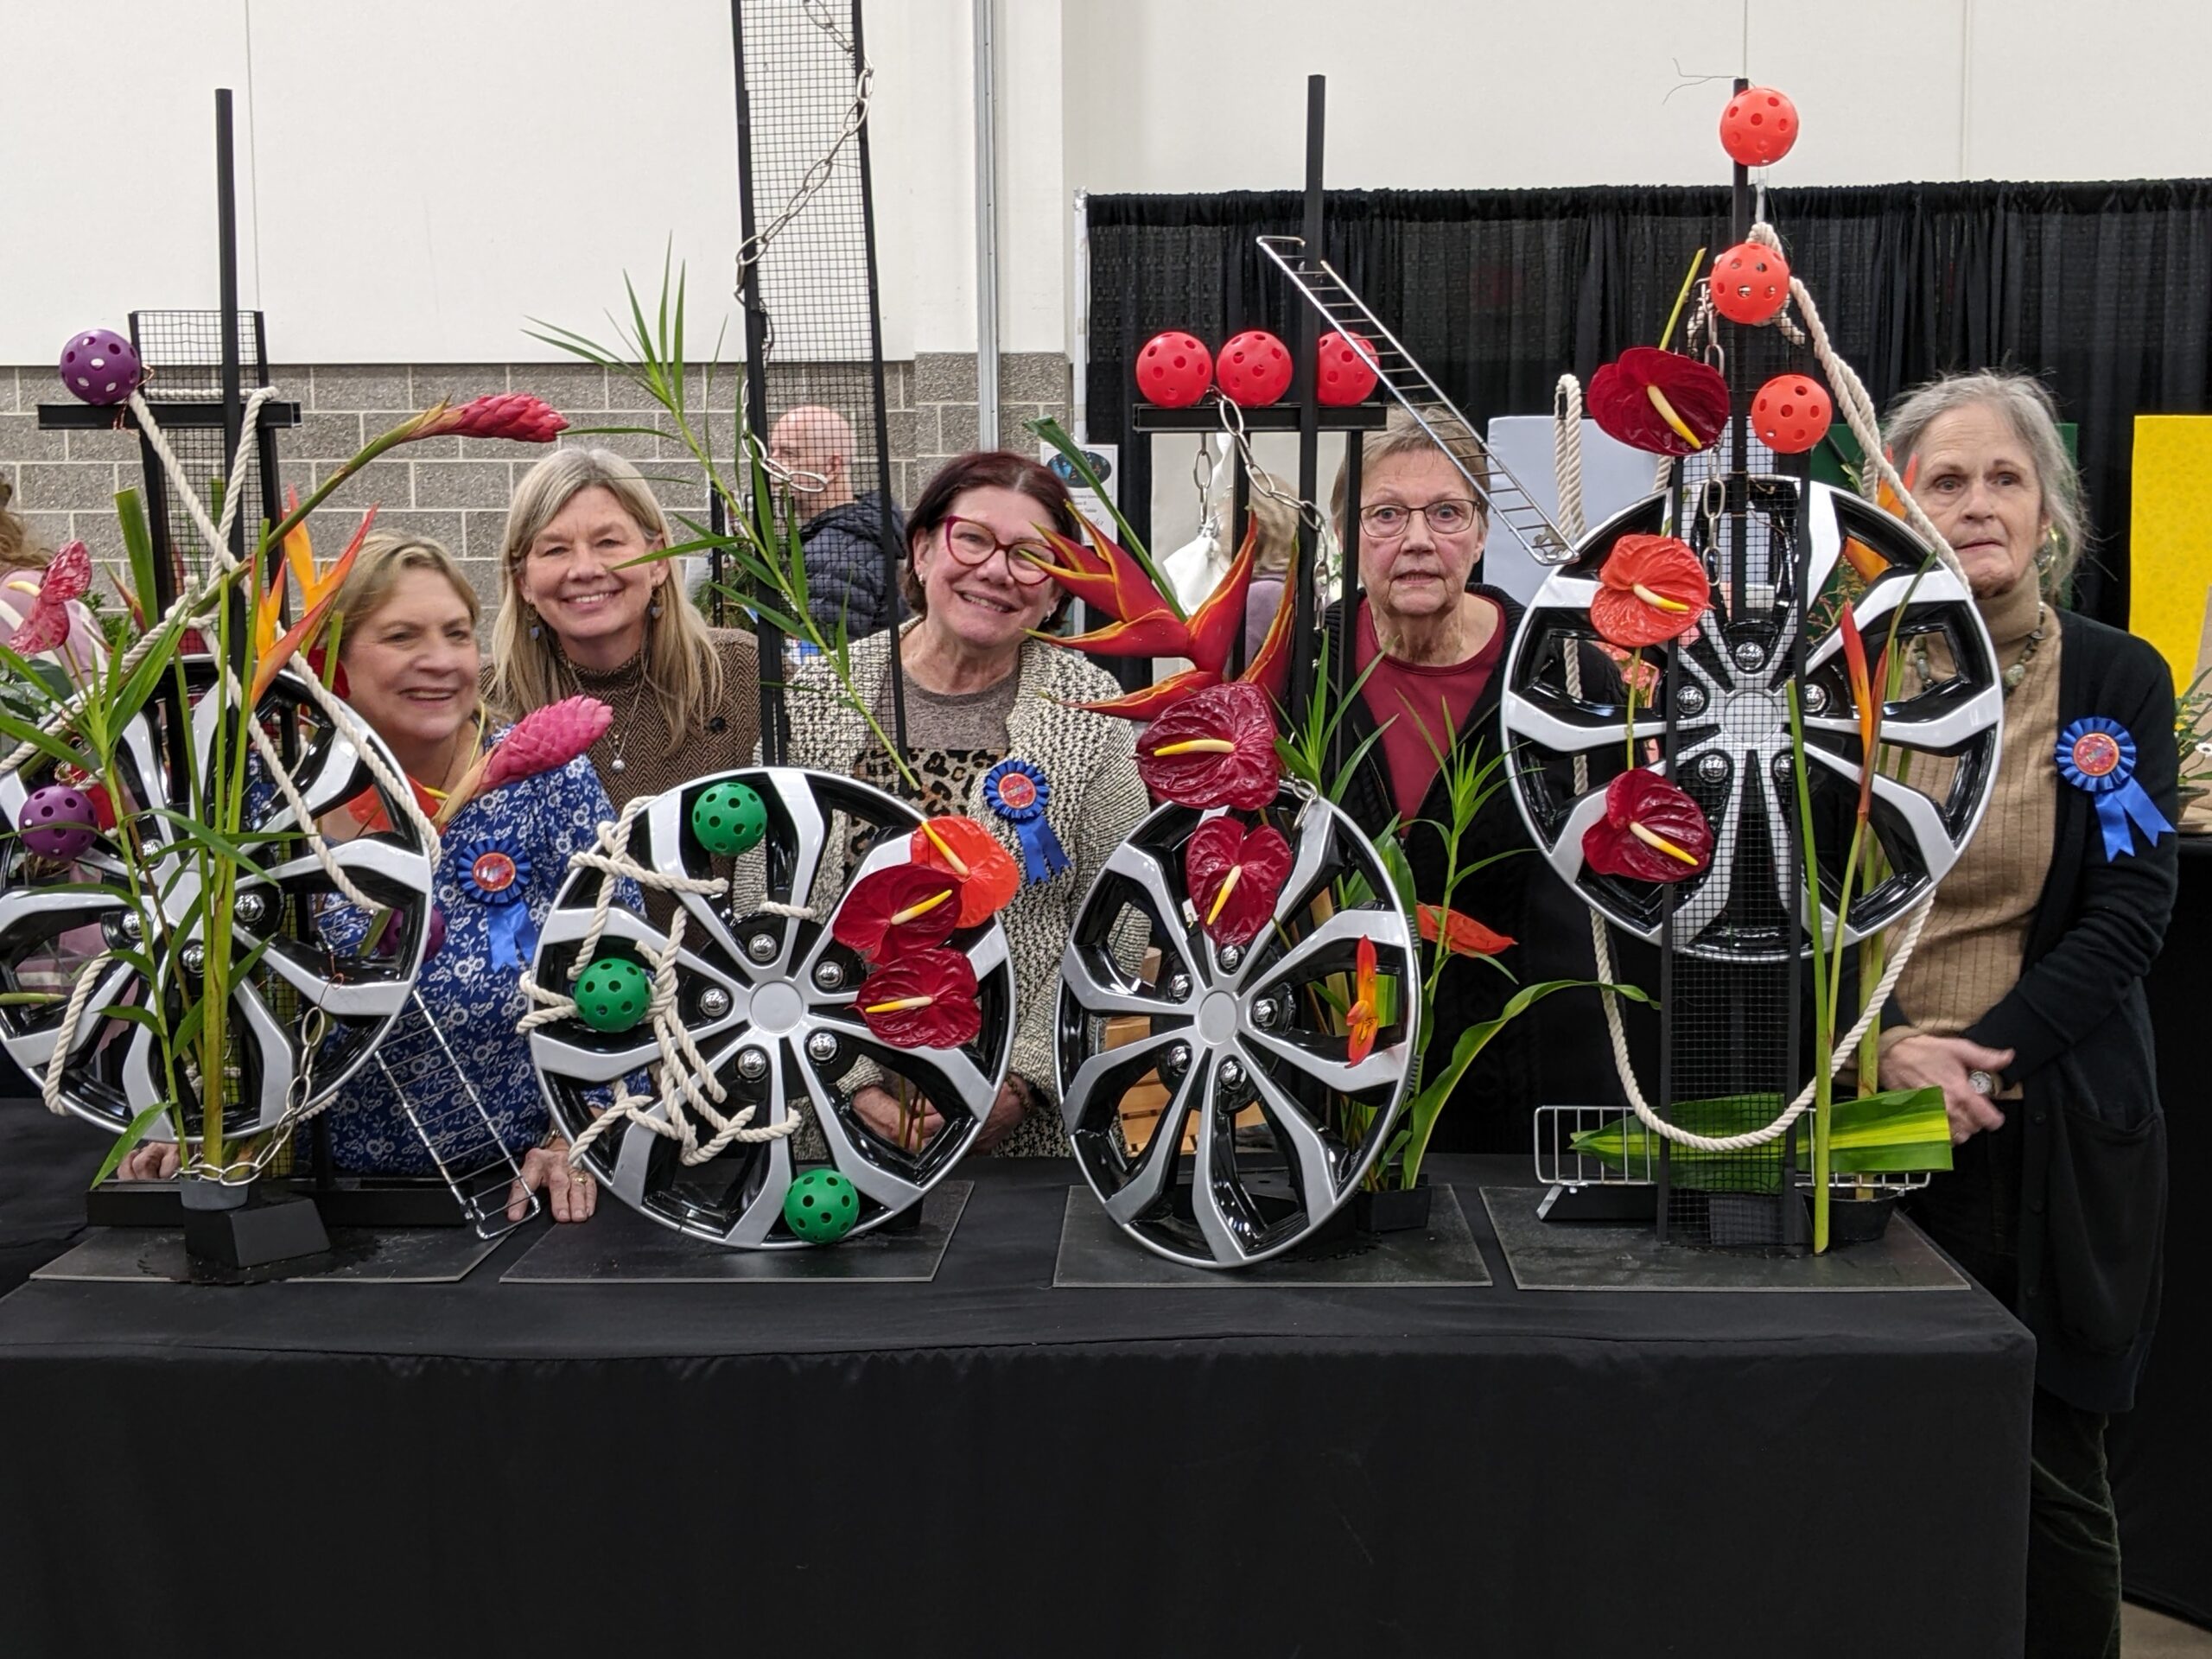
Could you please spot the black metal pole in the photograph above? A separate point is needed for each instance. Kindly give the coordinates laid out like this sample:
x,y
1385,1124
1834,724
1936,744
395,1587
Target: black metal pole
x,y
1304,613
886,532
226,248
775,732
1240,507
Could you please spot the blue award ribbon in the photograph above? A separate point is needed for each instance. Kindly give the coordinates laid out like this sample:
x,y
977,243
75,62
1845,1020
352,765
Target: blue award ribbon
x,y
2097,756
1017,791
494,872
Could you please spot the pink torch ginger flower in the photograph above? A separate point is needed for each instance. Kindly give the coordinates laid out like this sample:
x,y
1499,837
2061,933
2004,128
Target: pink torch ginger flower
x,y
515,415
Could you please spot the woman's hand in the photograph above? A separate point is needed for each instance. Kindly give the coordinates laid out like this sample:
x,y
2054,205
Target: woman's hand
x,y
1006,1112
572,1194
149,1160
1921,1061
880,1110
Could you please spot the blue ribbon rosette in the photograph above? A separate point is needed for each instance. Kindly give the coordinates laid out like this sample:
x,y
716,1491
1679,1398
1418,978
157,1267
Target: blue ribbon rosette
x,y
1017,791
2097,756
494,871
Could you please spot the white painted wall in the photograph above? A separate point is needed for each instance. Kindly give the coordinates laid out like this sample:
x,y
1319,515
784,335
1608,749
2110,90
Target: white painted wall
x,y
430,173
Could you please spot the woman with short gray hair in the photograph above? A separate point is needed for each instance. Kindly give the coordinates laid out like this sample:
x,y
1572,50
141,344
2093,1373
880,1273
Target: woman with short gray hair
x,y
2024,1001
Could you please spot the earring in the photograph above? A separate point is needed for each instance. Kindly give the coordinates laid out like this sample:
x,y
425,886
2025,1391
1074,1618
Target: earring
x,y
2047,549
655,611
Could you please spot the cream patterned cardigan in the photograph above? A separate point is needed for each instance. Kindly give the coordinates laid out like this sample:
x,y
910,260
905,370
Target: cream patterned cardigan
x,y
1089,760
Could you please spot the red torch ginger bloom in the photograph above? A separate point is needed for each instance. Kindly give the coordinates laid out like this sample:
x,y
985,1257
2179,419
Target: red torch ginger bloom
x,y
515,415
1659,401
1215,747
1363,1018
546,738
1652,589
1461,935
1651,831
963,848
1234,876
925,1000
900,909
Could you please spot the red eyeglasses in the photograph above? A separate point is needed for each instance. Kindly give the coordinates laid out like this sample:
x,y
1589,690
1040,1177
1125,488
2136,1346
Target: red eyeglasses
x,y
972,544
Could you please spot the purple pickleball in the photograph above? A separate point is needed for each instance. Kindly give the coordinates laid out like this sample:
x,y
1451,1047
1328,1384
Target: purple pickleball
x,y
100,366
58,821
437,932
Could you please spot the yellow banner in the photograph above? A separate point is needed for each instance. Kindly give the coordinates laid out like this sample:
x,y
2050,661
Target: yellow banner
x,y
2169,539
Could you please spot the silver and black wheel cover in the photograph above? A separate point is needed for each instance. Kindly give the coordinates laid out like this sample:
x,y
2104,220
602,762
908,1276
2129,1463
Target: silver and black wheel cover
x,y
769,999
1230,1032
113,1071
1733,754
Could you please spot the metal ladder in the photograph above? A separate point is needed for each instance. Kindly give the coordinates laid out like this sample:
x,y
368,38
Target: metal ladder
x,y
1494,484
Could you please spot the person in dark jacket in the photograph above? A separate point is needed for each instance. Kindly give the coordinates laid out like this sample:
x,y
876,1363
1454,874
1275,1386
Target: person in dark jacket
x,y
1441,639
841,534
2024,1001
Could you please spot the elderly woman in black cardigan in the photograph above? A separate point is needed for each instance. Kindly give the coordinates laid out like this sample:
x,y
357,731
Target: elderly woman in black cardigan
x,y
2024,1002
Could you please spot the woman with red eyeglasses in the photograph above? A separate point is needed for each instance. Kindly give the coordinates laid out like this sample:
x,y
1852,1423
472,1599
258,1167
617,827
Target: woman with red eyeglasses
x,y
990,734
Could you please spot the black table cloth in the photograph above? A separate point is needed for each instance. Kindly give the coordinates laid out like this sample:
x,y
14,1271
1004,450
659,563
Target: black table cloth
x,y
986,1466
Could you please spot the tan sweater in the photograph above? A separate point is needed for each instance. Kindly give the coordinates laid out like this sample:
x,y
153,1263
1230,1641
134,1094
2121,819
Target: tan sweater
x,y
1972,951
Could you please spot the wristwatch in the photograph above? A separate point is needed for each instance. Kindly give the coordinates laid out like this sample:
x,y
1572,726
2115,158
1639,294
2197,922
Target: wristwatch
x,y
1982,1083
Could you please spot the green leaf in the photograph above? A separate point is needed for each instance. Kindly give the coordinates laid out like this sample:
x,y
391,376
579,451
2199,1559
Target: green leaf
x,y
45,742
1429,1105
1899,1130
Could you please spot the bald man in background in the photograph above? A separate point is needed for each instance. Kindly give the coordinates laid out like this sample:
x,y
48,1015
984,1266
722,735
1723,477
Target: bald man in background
x,y
841,533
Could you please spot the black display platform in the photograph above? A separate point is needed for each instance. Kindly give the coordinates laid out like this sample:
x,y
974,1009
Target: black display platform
x,y
1621,1256
358,1255
1095,1254
619,1246
985,1465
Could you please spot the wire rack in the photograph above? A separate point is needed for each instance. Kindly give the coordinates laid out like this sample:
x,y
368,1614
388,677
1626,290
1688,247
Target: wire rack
x,y
182,351
804,94
476,1162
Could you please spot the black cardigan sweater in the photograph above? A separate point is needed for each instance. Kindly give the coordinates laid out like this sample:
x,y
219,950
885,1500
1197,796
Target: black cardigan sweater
x,y
1548,1054
2091,1158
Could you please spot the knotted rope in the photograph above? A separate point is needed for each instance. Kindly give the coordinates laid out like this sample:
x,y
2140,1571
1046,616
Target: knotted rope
x,y
688,1084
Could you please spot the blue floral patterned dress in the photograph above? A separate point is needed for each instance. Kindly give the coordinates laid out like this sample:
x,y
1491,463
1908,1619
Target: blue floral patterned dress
x,y
504,857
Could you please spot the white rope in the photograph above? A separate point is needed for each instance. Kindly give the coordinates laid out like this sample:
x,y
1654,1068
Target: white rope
x,y
610,856
1567,462
64,1038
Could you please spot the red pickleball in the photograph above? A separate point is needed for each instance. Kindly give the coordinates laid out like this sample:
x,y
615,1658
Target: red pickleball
x,y
1759,126
1345,365
1175,369
1792,413
1253,369
1750,282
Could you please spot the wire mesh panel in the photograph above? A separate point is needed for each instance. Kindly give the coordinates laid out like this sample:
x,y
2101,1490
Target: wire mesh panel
x,y
183,354
804,100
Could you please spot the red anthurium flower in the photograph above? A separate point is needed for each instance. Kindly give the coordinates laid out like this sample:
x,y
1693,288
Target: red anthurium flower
x,y
1363,1019
925,1000
900,909
1215,747
1660,402
1152,701
1234,876
1461,935
1652,589
988,876
1216,624
1651,831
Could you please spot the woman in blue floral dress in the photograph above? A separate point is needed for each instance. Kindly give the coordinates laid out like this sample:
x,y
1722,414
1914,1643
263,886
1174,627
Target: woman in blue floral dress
x,y
409,649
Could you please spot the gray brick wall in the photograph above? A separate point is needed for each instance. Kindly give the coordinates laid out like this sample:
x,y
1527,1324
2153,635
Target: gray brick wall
x,y
457,489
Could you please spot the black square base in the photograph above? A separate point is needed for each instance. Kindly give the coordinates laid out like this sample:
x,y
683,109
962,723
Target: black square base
x,y
266,1228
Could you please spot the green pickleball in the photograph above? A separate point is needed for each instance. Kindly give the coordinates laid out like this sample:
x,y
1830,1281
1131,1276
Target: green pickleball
x,y
729,818
822,1206
613,994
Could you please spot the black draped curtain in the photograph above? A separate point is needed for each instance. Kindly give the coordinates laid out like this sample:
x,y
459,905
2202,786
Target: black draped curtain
x,y
2103,289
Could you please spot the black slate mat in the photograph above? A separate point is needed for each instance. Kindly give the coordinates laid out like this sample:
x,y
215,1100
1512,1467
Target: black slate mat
x,y
360,1256
619,1246
1600,1255
1095,1254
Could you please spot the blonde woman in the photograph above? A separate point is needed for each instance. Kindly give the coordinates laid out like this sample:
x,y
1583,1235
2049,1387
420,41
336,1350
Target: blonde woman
x,y
577,615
